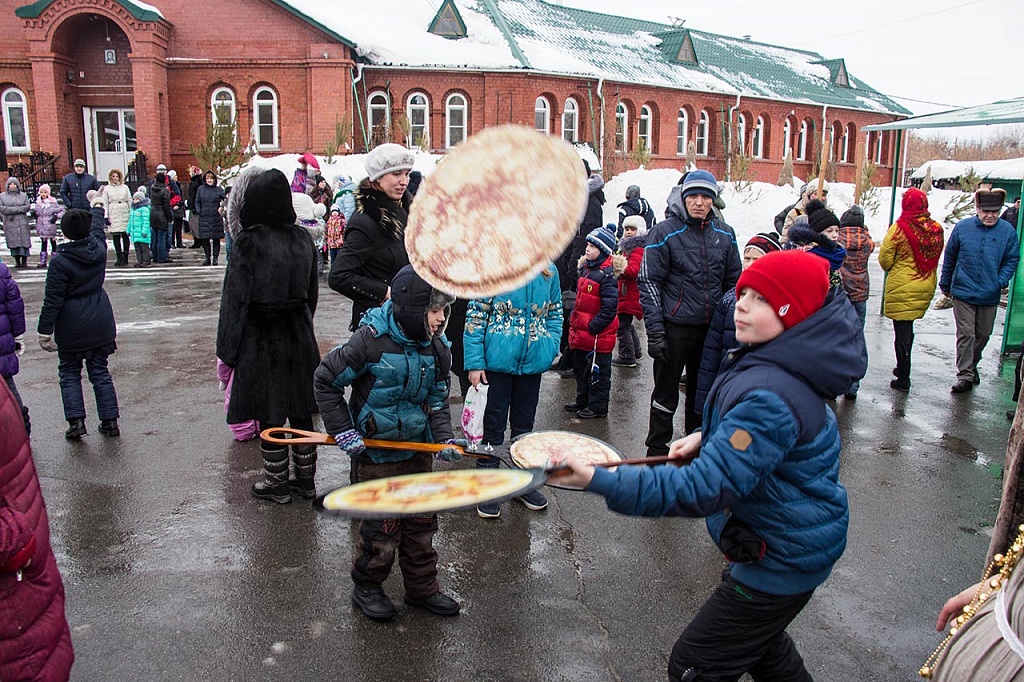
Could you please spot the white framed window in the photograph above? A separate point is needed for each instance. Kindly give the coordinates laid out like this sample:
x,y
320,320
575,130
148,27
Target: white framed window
x,y
741,135
16,121
222,108
703,125
571,121
455,116
264,108
378,109
418,111
787,138
682,132
542,115
801,142
643,127
878,147
621,126
757,141
848,137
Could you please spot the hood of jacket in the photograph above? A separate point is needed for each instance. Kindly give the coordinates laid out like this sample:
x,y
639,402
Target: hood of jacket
x,y
381,209
12,181
826,350
383,320
139,204
114,172
627,244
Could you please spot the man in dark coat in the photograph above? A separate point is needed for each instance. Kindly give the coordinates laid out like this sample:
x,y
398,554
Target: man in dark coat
x,y
35,643
635,205
75,185
160,214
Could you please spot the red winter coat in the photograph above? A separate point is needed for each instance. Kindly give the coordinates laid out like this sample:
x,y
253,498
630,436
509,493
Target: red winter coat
x,y
597,298
629,293
35,643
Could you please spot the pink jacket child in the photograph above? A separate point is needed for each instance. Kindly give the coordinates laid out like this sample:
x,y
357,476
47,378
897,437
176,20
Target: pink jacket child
x,y
242,431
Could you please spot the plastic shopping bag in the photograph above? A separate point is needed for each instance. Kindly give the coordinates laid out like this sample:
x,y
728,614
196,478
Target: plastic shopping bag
x,y
473,414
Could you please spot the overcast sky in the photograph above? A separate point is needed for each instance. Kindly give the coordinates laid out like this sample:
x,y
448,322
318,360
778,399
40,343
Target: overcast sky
x,y
944,53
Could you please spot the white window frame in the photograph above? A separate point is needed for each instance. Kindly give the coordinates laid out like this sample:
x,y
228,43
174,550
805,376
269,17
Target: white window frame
x,y
741,133
682,132
643,127
423,128
571,121
376,103
7,107
449,107
878,147
844,155
703,127
757,141
230,103
542,115
257,117
801,141
621,126
787,137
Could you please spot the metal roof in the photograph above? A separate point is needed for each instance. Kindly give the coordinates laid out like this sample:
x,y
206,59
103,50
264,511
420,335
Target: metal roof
x,y
1003,111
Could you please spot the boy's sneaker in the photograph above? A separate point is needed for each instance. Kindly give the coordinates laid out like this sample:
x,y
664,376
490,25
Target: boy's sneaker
x,y
623,362
374,604
587,413
533,500
439,604
488,511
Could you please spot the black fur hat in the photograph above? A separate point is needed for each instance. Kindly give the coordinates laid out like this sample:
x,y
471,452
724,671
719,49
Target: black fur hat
x,y
75,223
268,200
411,298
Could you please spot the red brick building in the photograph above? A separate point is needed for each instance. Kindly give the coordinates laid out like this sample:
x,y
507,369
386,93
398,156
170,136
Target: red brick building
x,y
100,79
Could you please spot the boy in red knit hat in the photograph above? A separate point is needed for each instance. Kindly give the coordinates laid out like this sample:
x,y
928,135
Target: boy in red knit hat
x,y
764,470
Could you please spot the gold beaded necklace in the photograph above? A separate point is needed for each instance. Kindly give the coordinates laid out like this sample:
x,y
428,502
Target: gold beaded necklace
x,y
995,576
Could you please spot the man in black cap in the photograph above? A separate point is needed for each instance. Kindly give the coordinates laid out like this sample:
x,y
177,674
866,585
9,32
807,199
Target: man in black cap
x,y
75,185
980,258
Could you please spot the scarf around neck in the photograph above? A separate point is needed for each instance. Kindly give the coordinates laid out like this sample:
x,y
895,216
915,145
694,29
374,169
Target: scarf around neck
x,y
925,238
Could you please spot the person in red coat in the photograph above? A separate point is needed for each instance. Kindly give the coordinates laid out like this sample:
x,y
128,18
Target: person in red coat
x,y
35,642
631,246
593,324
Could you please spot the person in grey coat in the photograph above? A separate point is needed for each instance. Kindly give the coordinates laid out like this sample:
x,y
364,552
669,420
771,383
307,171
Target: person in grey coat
x,y
14,207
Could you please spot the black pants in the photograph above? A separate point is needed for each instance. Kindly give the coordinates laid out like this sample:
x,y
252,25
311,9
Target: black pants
x,y
593,395
685,345
205,243
176,235
904,331
740,630
53,243
121,246
511,398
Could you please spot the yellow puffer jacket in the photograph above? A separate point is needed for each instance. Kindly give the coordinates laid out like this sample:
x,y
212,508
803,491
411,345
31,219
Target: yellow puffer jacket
x,y
907,296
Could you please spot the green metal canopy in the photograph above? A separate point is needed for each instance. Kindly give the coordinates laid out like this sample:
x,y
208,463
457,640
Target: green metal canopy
x,y
1003,111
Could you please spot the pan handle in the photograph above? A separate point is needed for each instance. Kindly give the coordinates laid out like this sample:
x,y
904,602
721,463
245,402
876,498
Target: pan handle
x,y
554,472
299,437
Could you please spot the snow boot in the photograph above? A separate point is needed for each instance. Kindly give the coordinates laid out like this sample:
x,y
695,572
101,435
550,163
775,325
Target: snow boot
x,y
109,428
304,458
76,429
902,371
274,486
42,260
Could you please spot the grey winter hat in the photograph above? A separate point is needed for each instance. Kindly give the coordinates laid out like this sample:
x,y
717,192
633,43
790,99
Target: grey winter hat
x,y
633,192
387,158
79,162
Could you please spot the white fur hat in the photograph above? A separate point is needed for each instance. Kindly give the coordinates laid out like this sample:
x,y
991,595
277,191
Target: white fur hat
x,y
637,222
387,158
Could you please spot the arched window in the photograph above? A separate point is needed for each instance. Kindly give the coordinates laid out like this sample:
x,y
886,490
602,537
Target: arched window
x,y
703,125
849,135
571,121
741,135
378,109
542,115
222,109
682,131
621,126
787,138
644,127
418,112
16,121
455,115
801,143
879,147
264,108
757,142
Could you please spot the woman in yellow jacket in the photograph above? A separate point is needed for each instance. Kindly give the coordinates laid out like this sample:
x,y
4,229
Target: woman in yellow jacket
x,y
910,257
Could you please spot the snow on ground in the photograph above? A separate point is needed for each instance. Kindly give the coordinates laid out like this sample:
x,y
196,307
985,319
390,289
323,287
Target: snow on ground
x,y
748,211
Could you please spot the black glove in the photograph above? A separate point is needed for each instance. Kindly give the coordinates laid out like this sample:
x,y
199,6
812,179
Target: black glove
x,y
656,347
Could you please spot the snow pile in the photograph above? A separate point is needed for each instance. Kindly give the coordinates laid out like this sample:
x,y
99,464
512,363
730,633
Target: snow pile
x,y
1002,169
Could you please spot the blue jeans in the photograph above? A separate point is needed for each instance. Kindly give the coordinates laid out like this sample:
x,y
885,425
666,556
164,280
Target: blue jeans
x,y
70,372
159,246
862,312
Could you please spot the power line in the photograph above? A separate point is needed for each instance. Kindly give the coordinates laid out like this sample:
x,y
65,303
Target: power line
x,y
898,21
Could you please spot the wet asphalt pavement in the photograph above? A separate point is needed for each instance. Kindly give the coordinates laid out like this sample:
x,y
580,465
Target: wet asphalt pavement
x,y
173,572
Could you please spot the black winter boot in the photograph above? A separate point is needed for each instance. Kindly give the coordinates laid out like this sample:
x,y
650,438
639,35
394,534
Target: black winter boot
x,y
109,428
304,458
274,487
76,429
902,372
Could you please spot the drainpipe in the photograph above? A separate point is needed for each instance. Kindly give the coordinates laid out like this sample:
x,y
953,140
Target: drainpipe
x,y
359,109
600,96
824,156
728,152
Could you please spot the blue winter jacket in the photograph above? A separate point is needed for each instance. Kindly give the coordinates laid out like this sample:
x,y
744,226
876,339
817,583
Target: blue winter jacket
x,y
518,332
769,457
688,265
399,386
74,187
979,261
721,339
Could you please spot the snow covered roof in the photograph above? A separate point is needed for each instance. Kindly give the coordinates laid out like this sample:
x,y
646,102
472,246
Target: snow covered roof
x,y
1003,111
533,34
942,169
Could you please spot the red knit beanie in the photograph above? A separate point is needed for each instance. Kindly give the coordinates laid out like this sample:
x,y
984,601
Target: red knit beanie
x,y
794,283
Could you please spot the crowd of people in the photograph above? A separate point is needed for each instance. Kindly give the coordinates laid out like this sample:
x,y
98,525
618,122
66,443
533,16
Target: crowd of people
x,y
738,331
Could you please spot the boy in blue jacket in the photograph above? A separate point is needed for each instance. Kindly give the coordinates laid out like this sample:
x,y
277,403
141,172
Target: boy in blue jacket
x,y
397,364
764,470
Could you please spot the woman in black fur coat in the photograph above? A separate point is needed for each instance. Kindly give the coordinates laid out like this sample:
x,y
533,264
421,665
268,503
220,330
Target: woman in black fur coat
x,y
265,331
